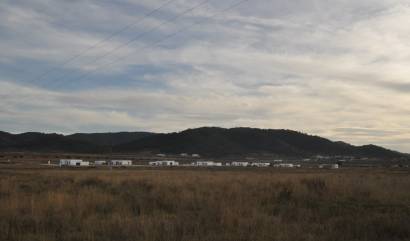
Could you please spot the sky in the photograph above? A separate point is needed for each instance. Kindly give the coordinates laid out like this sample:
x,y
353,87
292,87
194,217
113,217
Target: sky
x,y
338,69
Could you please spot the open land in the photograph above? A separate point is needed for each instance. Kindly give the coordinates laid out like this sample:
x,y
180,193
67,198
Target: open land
x,y
203,204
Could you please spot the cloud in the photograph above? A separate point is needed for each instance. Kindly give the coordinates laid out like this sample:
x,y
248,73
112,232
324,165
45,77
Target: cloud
x,y
336,69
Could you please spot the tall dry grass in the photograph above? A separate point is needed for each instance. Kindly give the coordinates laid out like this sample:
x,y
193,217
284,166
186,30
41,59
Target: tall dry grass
x,y
204,205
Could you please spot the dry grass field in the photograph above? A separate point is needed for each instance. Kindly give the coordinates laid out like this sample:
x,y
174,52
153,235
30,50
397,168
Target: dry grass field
x,y
193,205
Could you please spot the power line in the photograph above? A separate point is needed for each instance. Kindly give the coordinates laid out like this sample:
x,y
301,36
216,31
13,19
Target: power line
x,y
139,36
159,41
162,40
109,37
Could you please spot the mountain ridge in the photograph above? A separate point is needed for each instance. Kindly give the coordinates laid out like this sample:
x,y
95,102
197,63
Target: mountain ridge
x,y
206,141
216,141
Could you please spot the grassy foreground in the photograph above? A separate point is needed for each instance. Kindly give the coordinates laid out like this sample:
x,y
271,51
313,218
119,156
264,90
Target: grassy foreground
x,y
204,205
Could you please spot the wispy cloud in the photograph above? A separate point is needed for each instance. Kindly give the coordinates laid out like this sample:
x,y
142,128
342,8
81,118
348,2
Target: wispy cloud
x,y
337,69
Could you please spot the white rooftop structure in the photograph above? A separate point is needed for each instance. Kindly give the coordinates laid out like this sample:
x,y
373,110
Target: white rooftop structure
x,y
240,164
207,164
329,166
73,163
260,164
100,163
284,165
164,163
121,162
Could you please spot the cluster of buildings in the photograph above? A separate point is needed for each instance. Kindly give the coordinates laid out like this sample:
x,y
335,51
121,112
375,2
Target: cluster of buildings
x,y
173,163
81,163
194,155
228,164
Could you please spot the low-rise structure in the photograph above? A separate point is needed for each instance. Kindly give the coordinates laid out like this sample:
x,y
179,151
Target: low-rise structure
x,y
240,164
100,163
260,164
73,163
329,166
164,163
207,164
120,162
284,165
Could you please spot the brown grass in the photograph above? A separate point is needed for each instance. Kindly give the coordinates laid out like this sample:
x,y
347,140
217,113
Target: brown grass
x,y
204,205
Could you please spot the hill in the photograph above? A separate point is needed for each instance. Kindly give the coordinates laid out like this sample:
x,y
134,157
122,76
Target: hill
x,y
40,142
77,143
109,139
206,141
217,142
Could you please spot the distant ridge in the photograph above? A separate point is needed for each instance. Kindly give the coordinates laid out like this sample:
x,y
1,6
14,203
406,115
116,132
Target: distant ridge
x,y
110,139
77,143
206,141
218,142
40,142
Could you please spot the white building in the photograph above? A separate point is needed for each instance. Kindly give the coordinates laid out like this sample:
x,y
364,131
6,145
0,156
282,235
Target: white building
x,y
260,164
240,164
329,166
120,162
207,164
196,155
284,165
164,163
73,163
100,163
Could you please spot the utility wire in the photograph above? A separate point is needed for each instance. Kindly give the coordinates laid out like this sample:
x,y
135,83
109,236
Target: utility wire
x,y
159,41
162,40
109,37
139,36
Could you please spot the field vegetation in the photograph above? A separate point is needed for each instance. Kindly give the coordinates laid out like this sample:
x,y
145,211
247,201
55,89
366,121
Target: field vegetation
x,y
204,205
